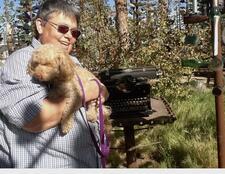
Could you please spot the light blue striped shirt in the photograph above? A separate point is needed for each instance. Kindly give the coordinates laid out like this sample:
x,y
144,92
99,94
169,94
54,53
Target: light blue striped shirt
x,y
20,101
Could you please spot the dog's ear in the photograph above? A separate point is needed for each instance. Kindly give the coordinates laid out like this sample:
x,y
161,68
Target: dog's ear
x,y
30,65
66,65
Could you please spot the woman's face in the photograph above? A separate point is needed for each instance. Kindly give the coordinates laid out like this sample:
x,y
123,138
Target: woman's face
x,y
49,31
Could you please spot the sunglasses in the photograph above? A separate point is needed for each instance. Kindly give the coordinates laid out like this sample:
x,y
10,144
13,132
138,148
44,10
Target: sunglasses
x,y
64,29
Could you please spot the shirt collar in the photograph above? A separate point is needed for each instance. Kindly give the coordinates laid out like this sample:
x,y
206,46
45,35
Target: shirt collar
x,y
35,43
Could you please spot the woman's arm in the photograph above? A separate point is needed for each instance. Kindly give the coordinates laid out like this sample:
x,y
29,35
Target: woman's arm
x,y
91,90
51,111
24,102
49,116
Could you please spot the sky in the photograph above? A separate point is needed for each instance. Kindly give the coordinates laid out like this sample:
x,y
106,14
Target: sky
x,y
1,5
111,2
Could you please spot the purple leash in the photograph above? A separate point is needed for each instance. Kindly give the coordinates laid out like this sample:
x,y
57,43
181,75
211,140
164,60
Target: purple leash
x,y
104,141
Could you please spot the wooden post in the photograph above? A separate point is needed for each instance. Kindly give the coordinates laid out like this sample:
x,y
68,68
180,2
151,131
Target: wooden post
x,y
218,84
129,143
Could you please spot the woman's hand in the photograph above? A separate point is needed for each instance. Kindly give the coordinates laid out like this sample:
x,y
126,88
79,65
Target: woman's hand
x,y
92,89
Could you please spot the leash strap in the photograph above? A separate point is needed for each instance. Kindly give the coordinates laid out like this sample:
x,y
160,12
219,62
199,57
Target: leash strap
x,y
92,136
104,141
82,89
103,138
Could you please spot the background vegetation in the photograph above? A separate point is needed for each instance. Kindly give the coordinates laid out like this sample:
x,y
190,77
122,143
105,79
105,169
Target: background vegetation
x,y
190,142
144,34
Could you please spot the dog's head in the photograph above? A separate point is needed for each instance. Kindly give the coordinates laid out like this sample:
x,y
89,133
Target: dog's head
x,y
50,62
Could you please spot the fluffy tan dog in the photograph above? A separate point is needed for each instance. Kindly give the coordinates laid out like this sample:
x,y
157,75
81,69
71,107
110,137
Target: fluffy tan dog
x,y
50,63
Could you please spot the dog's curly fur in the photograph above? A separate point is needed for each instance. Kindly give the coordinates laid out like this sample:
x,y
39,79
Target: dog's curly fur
x,y
49,63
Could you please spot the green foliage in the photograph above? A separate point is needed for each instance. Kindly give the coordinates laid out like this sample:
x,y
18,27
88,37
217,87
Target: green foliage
x,y
164,48
7,15
9,7
98,42
153,41
26,13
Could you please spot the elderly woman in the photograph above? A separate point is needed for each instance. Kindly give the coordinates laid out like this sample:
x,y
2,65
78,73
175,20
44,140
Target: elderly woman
x,y
29,133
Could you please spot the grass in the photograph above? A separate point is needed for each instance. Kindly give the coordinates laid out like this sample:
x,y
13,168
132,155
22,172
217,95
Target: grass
x,y
189,142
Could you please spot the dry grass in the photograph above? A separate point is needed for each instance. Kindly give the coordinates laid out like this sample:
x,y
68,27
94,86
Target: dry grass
x,y
190,142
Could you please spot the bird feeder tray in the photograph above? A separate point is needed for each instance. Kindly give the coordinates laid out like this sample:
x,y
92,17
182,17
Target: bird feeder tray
x,y
192,19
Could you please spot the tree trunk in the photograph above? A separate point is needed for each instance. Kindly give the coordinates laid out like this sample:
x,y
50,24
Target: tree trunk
x,y
10,41
9,29
81,6
122,26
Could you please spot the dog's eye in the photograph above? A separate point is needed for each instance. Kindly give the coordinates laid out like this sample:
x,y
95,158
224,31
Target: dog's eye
x,y
34,64
46,64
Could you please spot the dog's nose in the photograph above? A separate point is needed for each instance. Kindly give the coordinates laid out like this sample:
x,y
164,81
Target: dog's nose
x,y
38,76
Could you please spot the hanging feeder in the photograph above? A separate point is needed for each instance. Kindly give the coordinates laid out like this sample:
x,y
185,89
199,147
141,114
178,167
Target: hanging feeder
x,y
191,39
195,18
198,14
194,63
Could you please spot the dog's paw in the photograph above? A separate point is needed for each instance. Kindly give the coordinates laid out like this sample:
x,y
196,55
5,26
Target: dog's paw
x,y
66,125
91,117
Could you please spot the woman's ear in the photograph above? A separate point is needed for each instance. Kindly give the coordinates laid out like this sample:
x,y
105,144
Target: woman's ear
x,y
39,25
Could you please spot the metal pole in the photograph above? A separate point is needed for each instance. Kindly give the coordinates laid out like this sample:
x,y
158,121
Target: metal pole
x,y
195,6
218,85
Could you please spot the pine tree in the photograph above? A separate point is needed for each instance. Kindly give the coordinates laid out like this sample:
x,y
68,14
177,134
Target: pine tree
x,y
97,44
26,14
9,24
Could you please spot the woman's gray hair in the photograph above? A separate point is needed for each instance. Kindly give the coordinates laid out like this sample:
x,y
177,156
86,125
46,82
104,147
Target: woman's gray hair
x,y
69,8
